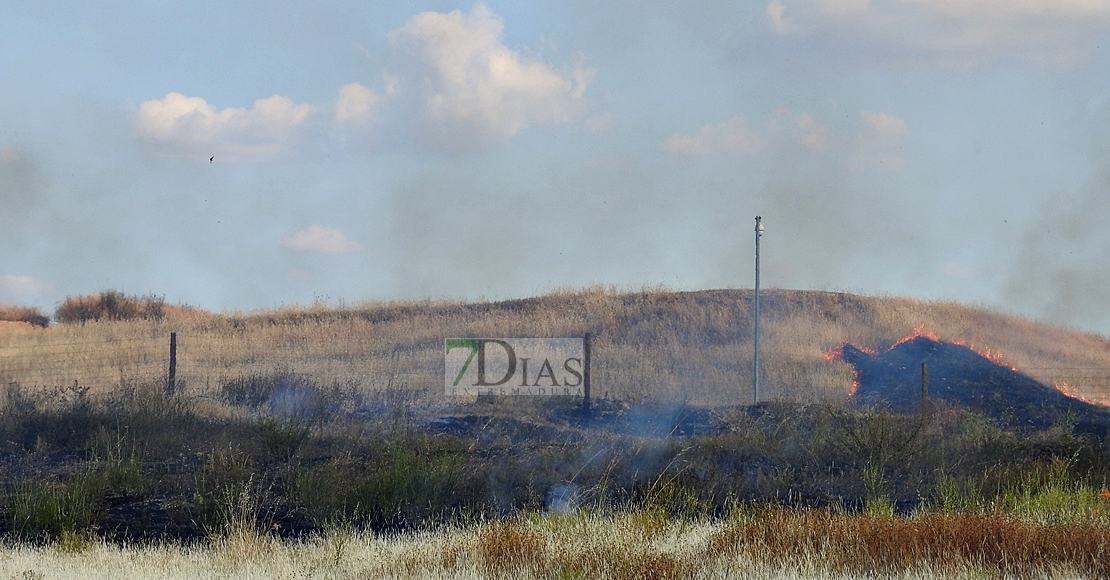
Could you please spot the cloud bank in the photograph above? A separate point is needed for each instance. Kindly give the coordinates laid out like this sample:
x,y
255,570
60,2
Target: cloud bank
x,y
321,240
958,33
871,146
15,288
453,86
181,126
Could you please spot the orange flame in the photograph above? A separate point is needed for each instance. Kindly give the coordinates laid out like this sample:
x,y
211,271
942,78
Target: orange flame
x,y
923,331
918,331
837,353
1072,392
988,353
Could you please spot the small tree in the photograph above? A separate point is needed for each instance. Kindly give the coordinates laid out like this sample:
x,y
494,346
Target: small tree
x,y
110,305
27,314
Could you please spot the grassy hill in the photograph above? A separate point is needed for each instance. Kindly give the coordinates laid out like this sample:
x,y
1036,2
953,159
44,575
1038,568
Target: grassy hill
x,y
296,420
651,345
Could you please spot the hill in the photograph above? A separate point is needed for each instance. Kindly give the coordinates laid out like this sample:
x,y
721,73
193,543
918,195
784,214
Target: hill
x,y
290,420
650,345
916,372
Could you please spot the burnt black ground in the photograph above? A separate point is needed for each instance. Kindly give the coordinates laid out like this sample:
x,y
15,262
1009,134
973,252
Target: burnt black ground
x,y
960,376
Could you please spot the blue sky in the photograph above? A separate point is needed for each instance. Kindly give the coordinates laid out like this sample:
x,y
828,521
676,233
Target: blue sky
x,y
940,149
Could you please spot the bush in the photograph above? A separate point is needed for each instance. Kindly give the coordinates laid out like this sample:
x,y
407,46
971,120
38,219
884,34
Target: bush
x,y
49,509
110,305
26,314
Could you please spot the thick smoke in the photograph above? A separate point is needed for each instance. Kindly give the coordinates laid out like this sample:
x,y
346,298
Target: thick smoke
x,y
1062,263
22,189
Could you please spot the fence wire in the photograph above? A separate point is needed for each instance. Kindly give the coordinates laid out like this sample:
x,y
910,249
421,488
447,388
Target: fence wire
x,y
206,362
202,364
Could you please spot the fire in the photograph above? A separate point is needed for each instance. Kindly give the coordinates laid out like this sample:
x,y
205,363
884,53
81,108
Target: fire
x,y
993,355
990,354
918,331
1071,391
924,331
837,353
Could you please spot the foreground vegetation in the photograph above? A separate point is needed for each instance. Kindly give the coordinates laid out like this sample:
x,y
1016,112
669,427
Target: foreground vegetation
x,y
317,443
646,545
283,456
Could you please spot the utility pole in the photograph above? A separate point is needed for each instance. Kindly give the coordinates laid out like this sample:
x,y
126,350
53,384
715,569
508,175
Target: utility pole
x,y
755,361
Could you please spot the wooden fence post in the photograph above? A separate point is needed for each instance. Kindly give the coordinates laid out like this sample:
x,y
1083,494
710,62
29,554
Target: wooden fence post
x,y
586,373
171,380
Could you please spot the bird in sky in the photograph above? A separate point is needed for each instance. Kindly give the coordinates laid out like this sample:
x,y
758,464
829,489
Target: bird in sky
x,y
211,158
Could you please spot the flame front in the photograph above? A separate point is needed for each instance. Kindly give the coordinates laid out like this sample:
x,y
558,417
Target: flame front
x,y
918,331
1072,392
923,331
837,353
990,354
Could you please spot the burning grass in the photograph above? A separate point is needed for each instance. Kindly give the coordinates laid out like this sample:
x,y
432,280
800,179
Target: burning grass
x,y
327,427
648,346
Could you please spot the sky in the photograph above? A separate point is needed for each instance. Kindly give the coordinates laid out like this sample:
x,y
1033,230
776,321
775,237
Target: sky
x,y
245,155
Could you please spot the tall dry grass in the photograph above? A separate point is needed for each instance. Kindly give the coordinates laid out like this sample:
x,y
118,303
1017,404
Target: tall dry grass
x,y
651,345
630,546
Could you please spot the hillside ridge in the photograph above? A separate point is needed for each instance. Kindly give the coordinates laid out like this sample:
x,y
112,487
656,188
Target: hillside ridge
x,y
654,344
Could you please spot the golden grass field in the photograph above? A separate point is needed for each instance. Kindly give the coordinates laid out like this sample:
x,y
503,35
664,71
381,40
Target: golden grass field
x,y
648,345
638,546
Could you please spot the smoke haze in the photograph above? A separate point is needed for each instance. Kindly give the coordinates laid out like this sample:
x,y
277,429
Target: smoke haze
x,y
932,149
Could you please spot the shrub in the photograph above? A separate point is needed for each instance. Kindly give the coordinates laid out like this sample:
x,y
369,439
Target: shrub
x,y
286,396
27,314
110,305
52,508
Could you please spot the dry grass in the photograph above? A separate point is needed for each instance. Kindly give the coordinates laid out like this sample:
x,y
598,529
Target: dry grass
x,y
24,314
999,545
631,546
654,345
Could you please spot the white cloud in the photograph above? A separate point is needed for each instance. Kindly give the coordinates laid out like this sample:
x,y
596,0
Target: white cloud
x,y
600,123
356,104
777,19
471,87
736,136
9,155
875,145
884,126
181,126
871,146
731,136
960,33
810,133
451,85
1000,9
321,240
846,7
16,288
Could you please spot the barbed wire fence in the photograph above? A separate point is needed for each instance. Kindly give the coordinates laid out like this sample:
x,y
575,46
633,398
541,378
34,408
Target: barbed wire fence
x,y
200,364
180,364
